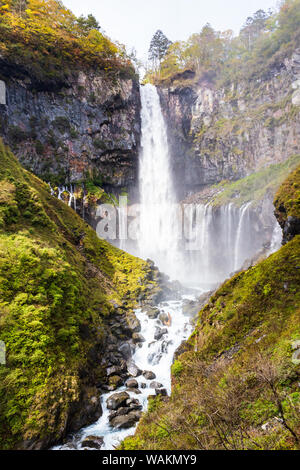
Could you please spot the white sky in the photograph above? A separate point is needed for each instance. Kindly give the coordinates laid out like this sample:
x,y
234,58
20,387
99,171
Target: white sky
x,y
133,22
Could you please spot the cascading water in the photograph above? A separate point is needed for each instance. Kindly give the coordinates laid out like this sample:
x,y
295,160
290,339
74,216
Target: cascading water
x,y
220,240
159,219
217,242
242,225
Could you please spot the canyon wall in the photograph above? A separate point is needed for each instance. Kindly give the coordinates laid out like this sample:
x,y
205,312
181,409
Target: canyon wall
x,y
86,129
228,133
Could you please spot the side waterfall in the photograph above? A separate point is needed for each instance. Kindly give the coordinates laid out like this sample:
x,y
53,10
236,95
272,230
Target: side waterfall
x,y
220,240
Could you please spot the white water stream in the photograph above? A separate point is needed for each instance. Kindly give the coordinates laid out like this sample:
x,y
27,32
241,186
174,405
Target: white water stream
x,y
154,355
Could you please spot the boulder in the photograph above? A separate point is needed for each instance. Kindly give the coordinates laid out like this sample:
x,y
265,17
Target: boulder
x,y
152,312
132,383
159,332
125,350
161,391
132,401
149,375
124,410
133,370
93,442
133,324
116,400
156,385
126,421
138,338
115,381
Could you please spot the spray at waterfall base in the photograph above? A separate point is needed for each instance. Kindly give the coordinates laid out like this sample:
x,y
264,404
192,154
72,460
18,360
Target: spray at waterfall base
x,y
207,243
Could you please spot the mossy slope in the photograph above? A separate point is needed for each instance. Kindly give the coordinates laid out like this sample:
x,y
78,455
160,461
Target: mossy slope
x,y
287,199
58,283
237,384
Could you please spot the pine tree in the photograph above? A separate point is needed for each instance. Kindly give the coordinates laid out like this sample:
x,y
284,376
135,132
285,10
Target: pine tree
x,y
158,47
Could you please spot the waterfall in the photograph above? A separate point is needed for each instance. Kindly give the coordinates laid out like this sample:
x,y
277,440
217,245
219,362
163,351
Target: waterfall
x,y
159,219
69,191
239,238
220,239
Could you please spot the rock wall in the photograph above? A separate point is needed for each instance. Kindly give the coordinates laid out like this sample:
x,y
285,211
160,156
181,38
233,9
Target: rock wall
x,y
87,129
227,133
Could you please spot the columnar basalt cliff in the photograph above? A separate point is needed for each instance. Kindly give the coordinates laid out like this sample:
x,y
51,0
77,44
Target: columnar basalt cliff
x,y
227,133
86,129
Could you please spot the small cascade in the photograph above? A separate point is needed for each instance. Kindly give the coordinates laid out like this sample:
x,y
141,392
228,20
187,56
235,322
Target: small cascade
x,y
72,198
68,190
242,226
276,240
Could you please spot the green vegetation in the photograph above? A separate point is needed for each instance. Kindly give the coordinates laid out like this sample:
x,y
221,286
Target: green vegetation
x,y
43,39
57,281
265,40
177,368
238,387
256,185
287,199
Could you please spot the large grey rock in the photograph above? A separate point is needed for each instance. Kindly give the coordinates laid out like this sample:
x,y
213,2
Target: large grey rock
x,y
126,421
152,312
133,370
149,375
156,385
125,350
113,370
2,92
93,442
116,400
132,383
159,333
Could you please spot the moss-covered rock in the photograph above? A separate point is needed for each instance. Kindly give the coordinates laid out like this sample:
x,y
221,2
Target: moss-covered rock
x,y
60,288
287,206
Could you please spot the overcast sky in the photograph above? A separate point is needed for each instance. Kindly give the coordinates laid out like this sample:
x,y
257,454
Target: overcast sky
x,y
133,22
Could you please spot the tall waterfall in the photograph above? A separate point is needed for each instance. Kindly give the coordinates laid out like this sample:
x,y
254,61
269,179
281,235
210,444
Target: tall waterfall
x,y
159,218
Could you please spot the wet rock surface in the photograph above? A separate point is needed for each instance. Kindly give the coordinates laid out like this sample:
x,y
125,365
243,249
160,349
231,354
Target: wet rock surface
x,y
91,125
116,400
149,375
93,442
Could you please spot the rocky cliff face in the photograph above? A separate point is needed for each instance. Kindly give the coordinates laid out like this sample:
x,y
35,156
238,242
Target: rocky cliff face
x,y
87,129
287,206
227,133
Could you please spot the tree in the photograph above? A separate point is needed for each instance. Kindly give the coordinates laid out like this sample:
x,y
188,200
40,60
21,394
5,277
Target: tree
x,y
19,6
253,28
87,24
158,48
205,49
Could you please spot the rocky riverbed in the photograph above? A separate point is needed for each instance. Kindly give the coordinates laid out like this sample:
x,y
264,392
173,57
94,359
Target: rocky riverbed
x,y
138,376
